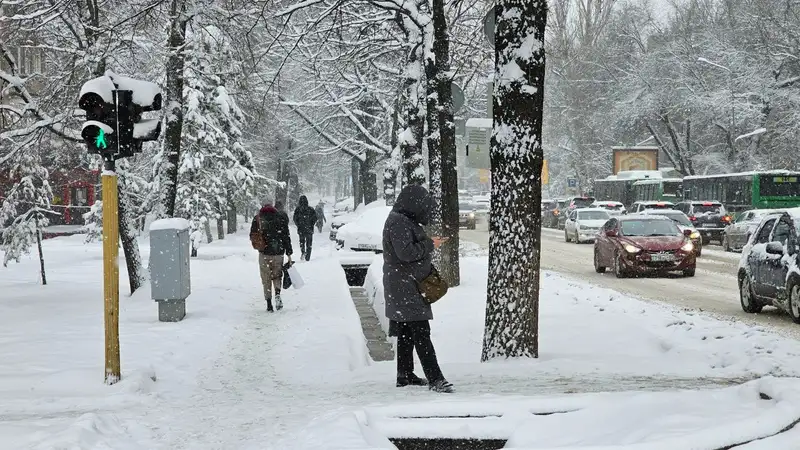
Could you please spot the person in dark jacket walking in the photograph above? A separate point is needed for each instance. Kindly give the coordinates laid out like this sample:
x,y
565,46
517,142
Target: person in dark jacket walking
x,y
305,217
407,254
274,228
320,210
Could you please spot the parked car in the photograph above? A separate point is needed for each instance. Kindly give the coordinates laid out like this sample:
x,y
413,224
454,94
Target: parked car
x,y
640,206
483,204
736,235
709,217
768,269
344,216
365,232
683,223
640,244
582,225
466,215
613,208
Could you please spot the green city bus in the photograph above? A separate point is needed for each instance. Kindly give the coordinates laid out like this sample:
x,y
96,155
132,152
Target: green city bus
x,y
747,190
666,190
619,187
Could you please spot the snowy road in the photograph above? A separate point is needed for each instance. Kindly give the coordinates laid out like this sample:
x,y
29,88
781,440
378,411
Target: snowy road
x,y
713,290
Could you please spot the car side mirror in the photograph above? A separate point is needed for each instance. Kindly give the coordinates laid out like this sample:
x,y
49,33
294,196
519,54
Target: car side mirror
x,y
774,248
687,232
611,233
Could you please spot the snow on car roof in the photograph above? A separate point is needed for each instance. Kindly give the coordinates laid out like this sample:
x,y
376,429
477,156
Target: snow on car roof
x,y
640,216
656,212
655,202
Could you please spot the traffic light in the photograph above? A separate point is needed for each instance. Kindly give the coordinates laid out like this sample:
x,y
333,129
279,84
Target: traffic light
x,y
96,99
114,105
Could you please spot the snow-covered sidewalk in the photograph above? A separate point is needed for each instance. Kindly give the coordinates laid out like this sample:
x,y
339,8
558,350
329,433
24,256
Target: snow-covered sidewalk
x,y
232,376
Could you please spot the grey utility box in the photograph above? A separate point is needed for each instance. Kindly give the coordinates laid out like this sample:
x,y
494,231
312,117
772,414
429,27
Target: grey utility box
x,y
170,281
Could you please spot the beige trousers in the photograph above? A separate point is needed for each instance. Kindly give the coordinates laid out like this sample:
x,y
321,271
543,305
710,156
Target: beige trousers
x,y
271,268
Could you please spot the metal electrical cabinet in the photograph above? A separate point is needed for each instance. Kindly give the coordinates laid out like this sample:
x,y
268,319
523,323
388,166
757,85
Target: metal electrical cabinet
x,y
170,278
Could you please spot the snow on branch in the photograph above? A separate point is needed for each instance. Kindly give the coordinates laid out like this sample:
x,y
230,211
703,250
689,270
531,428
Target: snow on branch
x,y
751,134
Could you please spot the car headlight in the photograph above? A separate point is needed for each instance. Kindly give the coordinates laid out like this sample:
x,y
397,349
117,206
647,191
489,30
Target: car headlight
x,y
694,235
688,246
472,215
631,248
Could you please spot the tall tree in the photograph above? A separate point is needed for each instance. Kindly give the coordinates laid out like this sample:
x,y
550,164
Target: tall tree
x,y
512,306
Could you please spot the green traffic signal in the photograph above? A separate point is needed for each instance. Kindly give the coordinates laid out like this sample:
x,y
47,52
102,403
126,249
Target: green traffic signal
x,y
100,141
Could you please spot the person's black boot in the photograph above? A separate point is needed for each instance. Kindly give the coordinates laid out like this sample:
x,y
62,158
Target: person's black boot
x,y
411,380
442,386
269,306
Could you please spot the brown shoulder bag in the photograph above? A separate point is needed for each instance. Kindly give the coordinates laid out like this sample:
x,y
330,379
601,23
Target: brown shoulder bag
x,y
257,238
433,287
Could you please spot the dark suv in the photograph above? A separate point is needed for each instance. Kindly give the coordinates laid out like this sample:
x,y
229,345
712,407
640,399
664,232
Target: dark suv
x,y
555,209
768,273
709,217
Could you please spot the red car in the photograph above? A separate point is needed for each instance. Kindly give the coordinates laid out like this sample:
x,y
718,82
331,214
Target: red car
x,y
634,245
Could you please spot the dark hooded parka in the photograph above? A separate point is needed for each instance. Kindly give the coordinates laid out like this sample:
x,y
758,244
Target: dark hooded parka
x,y
407,253
304,216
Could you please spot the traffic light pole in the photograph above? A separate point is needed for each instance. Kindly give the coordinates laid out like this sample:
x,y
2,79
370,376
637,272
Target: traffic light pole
x,y
111,266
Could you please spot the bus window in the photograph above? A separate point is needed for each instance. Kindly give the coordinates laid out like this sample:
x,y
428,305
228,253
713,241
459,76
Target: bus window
x,y
672,188
779,186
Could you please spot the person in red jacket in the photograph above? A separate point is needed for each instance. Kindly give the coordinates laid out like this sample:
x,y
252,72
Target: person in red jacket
x,y
274,228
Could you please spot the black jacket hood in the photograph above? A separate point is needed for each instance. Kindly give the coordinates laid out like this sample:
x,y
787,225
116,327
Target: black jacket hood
x,y
303,201
416,203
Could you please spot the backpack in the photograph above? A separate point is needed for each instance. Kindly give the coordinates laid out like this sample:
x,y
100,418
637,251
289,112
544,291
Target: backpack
x,y
257,238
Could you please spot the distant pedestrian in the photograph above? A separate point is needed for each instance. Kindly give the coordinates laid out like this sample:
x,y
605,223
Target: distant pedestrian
x,y
305,217
269,234
320,210
407,254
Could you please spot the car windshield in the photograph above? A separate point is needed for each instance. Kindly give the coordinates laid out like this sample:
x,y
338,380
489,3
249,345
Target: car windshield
x,y
466,206
711,208
677,217
582,202
593,215
653,227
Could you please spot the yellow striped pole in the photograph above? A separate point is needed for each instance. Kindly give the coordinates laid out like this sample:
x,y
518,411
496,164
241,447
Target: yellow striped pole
x,y
111,275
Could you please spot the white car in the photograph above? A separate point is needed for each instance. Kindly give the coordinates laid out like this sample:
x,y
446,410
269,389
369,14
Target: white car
x,y
345,216
582,225
365,232
613,208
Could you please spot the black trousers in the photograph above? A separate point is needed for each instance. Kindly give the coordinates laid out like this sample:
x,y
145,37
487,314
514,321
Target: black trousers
x,y
305,244
417,335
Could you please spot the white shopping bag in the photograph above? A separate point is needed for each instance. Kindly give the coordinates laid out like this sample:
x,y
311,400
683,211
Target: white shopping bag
x,y
294,275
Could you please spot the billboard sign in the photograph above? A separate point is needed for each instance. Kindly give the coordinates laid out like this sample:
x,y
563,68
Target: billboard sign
x,y
479,137
634,158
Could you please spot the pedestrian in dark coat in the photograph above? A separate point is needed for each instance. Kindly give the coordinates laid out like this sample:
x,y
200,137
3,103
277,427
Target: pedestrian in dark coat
x,y
407,254
320,210
274,228
305,217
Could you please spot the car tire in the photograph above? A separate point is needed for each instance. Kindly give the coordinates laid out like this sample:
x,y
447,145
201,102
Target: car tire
x,y
699,251
726,246
566,236
705,240
597,267
794,302
689,272
619,272
747,297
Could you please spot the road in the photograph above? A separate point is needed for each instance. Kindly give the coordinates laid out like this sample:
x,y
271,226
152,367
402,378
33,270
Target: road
x,y
713,289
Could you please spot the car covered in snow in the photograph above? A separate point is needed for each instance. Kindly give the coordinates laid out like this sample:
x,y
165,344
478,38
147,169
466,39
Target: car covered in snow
x,y
365,232
768,269
343,214
736,235
613,208
683,223
641,244
582,225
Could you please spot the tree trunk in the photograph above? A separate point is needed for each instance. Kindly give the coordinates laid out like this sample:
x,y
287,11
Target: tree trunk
x,y
207,227
443,85
283,177
411,136
232,222
368,178
174,104
355,171
133,258
220,226
512,306
39,247
393,164
433,142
